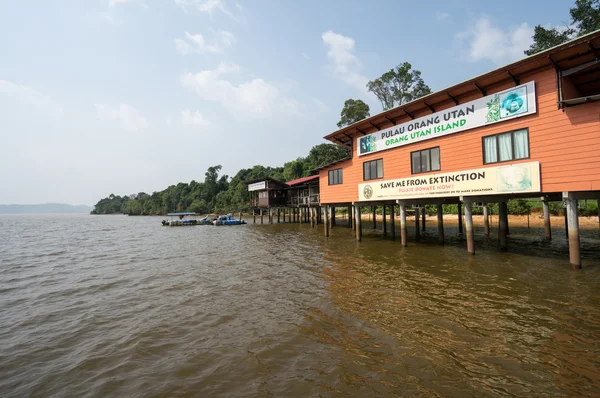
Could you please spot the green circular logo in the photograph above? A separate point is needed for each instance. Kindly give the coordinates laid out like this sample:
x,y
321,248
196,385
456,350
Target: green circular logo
x,y
368,192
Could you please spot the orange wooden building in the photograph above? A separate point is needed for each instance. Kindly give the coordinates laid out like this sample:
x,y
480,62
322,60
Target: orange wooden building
x,y
529,129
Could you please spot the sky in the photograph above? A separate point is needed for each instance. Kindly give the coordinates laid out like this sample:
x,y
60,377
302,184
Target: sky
x,y
128,96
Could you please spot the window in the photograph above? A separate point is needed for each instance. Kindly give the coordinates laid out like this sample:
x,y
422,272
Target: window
x,y
425,160
373,170
335,177
506,146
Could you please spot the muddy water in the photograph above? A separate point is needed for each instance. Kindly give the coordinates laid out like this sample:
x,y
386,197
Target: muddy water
x,y
118,306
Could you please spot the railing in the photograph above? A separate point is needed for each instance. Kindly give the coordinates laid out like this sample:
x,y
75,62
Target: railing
x,y
303,200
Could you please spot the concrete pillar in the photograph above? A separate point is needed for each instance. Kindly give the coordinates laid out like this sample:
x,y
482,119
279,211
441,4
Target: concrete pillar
x,y
358,217
353,218
469,227
374,217
384,219
403,226
312,217
547,227
460,220
326,223
417,231
440,221
574,243
486,220
502,226
392,222
270,216
423,217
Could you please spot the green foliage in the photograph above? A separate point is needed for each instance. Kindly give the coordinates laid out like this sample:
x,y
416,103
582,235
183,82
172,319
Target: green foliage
x,y
585,18
586,15
217,193
352,112
398,86
544,39
111,205
518,207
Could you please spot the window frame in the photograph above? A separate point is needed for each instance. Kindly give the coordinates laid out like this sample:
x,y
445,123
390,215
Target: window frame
x,y
340,176
369,162
412,171
512,138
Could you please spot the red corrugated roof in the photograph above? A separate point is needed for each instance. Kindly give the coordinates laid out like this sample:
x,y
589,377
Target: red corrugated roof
x,y
302,180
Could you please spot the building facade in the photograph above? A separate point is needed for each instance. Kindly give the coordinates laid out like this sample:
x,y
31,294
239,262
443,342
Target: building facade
x,y
530,129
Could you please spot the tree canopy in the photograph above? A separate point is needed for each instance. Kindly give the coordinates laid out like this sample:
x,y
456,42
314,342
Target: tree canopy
x,y
585,18
398,86
352,112
217,193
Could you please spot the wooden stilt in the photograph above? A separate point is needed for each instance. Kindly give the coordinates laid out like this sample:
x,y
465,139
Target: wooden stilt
x,y
326,223
440,222
332,216
392,222
358,223
261,216
254,215
424,218
460,220
469,225
486,220
417,230
384,219
353,218
574,242
566,222
547,227
502,226
403,226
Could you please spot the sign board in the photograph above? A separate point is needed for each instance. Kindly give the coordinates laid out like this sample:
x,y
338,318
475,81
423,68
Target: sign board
x,y
514,178
257,186
508,104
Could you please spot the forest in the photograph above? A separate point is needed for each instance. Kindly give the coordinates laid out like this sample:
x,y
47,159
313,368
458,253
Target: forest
x,y
217,193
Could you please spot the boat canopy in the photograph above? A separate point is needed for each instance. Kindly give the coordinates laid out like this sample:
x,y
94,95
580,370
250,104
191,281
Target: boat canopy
x,y
189,213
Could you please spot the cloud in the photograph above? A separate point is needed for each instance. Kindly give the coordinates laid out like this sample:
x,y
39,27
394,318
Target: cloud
x,y
196,119
488,42
30,96
442,16
320,105
126,115
141,3
254,99
343,64
207,6
197,44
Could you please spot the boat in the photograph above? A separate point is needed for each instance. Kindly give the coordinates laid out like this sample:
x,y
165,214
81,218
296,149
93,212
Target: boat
x,y
185,219
228,220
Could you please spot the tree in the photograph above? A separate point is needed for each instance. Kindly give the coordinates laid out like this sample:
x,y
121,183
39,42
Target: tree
x,y
352,112
585,18
586,15
323,154
398,86
294,169
544,39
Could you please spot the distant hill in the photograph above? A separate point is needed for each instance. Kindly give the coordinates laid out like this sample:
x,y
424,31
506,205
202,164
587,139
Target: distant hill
x,y
44,208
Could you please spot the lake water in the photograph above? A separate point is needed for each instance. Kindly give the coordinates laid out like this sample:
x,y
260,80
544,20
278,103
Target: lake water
x,y
121,306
